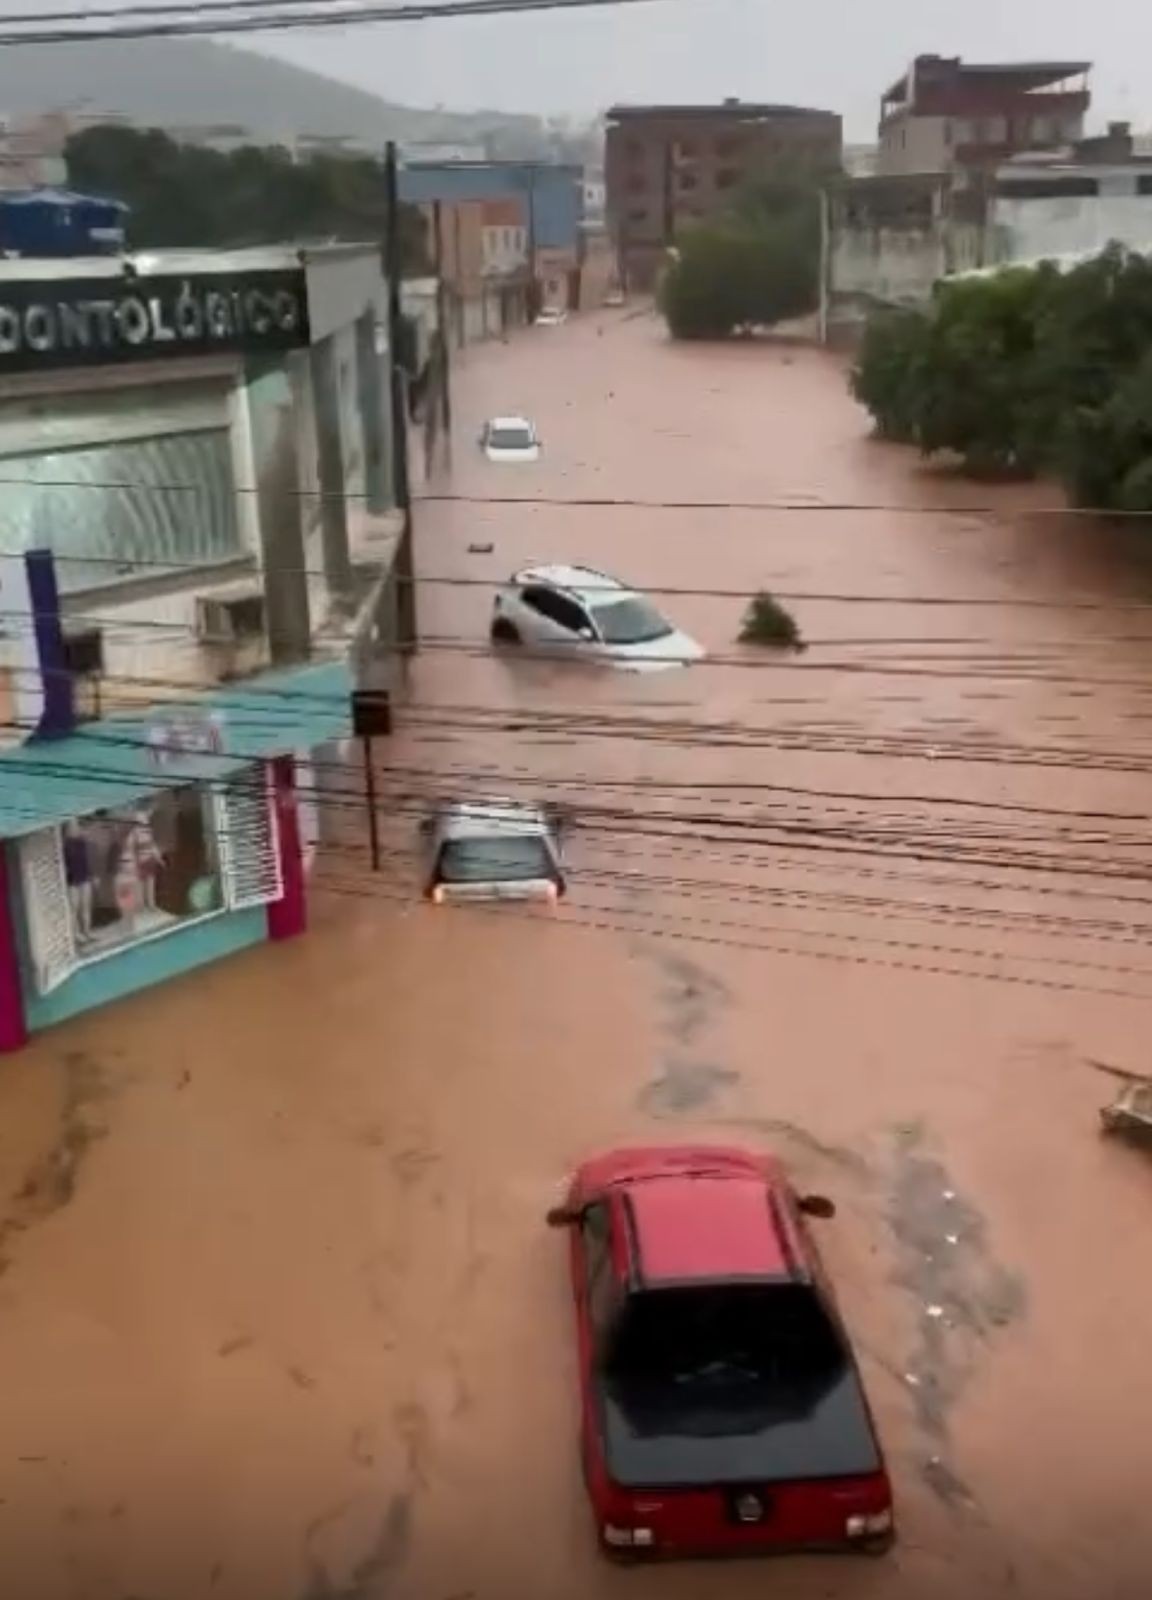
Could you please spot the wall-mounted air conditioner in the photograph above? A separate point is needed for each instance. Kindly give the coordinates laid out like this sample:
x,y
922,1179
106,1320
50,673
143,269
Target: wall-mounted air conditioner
x,y
230,618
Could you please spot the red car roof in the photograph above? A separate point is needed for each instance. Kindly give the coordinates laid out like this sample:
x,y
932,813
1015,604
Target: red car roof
x,y
709,1227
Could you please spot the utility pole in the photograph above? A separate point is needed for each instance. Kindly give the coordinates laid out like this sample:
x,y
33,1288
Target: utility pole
x,y
393,266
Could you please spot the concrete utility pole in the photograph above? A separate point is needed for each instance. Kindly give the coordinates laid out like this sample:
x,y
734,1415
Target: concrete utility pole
x,y
393,266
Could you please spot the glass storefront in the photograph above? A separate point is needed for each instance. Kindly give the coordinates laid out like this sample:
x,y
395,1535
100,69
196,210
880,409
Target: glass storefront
x,y
138,870
101,883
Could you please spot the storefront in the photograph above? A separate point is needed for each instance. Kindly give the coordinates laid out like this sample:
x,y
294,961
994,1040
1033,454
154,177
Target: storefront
x,y
144,846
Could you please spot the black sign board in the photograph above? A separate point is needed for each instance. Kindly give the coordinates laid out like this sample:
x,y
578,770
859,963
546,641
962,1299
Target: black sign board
x,y
68,322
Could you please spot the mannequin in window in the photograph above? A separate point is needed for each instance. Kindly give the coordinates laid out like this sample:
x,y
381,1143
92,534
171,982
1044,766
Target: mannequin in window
x,y
146,858
78,876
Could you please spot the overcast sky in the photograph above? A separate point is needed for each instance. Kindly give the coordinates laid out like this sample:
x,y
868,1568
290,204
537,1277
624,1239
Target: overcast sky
x,y
838,54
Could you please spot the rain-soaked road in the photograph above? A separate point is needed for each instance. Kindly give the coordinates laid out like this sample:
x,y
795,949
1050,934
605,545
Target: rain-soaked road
x,y
280,1320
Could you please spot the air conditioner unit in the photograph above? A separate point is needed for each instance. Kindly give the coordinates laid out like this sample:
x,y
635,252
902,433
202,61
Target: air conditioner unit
x,y
232,617
84,651
84,659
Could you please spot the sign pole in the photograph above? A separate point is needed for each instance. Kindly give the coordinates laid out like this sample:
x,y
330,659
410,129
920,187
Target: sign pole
x,y
370,802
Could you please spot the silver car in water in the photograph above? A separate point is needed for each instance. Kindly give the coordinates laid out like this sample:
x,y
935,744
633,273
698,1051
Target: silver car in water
x,y
492,849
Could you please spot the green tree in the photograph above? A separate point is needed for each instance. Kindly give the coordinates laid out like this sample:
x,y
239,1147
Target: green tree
x,y
887,376
184,195
753,266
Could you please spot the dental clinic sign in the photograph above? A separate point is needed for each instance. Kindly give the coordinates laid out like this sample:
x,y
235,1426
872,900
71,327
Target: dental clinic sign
x,y
68,322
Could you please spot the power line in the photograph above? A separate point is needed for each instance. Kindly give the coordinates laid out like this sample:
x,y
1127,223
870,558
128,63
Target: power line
x,y
273,20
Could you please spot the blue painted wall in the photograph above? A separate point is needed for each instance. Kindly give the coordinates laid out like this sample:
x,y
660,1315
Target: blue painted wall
x,y
138,967
555,194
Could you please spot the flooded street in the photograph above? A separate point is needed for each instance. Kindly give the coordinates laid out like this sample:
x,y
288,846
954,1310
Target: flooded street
x,y
280,1319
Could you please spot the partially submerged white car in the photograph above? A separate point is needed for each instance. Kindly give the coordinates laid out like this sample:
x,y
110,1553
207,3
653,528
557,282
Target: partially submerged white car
x,y
551,317
577,611
492,849
510,439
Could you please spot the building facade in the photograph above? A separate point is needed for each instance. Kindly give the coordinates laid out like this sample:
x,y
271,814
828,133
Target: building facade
x,y
670,165
890,239
945,114
199,561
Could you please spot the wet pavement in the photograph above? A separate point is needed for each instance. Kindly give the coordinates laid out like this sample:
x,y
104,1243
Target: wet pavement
x,y
279,1318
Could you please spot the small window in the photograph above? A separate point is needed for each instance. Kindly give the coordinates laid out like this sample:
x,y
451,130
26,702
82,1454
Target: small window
x,y
726,148
686,150
688,180
727,178
638,214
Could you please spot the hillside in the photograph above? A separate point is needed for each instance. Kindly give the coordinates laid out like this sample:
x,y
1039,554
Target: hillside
x,y
167,82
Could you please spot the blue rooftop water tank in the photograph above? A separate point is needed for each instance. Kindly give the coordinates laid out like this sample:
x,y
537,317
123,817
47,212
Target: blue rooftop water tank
x,y
59,222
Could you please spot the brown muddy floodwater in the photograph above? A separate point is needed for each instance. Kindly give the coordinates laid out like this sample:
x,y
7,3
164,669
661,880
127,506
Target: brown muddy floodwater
x,y
280,1319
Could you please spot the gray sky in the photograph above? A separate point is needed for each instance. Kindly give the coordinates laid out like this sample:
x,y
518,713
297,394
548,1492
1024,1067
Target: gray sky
x,y
839,54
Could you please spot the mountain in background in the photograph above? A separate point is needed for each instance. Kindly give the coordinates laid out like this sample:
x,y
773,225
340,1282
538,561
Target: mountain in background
x,y
195,83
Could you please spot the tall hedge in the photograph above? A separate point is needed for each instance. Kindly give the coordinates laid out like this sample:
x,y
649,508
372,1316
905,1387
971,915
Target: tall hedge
x,y
1032,369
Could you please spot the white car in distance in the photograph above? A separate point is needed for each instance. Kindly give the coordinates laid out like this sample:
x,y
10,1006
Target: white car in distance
x,y
551,317
577,611
510,439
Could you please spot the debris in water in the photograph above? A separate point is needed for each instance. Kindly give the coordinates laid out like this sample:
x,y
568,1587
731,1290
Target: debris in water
x,y
481,549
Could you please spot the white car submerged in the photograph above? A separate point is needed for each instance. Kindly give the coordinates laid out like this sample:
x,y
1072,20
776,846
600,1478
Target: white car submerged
x,y
492,849
578,611
510,439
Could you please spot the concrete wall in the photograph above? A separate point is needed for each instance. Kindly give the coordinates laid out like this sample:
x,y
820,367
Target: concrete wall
x,y
1025,230
914,144
896,265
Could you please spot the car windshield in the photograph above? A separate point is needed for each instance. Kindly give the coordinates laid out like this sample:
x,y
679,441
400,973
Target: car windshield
x,y
500,858
701,1340
510,438
629,620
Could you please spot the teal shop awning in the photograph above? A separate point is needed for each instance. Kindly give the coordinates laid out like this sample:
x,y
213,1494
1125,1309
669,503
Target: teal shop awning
x,y
121,758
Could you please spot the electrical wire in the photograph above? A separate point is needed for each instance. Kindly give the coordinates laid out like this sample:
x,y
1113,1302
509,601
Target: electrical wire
x,y
276,20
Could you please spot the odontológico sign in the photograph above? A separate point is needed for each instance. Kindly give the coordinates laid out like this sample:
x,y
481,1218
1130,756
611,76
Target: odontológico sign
x,y
65,322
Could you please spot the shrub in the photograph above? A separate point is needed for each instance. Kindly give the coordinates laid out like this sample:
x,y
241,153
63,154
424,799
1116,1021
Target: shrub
x,y
767,622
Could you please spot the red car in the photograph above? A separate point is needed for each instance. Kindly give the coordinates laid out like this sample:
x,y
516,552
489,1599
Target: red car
x,y
723,1413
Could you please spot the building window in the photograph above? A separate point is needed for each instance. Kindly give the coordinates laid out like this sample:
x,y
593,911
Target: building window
x,y
635,149
727,177
685,150
637,184
687,180
638,214
117,877
726,148
102,509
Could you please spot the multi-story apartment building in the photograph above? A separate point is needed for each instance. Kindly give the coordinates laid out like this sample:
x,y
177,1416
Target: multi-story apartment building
x,y
670,165
946,115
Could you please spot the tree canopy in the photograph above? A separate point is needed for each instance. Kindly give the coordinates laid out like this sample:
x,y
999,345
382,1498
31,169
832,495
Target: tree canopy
x,y
754,265
185,195
1030,368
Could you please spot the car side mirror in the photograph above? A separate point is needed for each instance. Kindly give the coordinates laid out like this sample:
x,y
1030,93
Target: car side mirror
x,y
817,1205
562,1217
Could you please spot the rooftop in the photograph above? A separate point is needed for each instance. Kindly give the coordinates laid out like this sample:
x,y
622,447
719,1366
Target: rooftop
x,y
585,582
748,110
706,1228
1022,76
161,263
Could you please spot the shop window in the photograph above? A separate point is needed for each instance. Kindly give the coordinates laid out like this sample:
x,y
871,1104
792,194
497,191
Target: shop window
x,y
116,877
